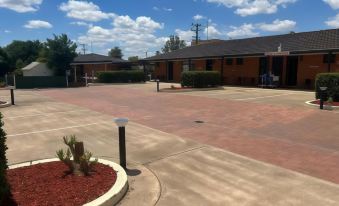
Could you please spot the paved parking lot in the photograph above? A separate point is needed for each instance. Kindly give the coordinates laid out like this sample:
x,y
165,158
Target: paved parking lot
x,y
180,162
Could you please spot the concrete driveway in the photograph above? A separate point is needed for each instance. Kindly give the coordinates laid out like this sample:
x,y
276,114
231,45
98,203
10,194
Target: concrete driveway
x,y
164,169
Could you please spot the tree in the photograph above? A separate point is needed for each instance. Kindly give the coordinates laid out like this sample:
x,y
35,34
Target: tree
x,y
27,51
174,43
59,53
133,58
4,188
4,63
116,53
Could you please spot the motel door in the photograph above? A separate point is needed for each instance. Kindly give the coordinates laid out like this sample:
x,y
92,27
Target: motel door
x,y
277,66
170,71
292,70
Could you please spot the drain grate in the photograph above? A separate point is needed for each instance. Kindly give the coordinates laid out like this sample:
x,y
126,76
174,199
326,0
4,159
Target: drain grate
x,y
199,121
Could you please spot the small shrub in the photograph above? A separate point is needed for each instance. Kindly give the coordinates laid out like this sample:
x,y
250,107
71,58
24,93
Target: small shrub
x,y
200,79
77,160
123,76
331,81
4,187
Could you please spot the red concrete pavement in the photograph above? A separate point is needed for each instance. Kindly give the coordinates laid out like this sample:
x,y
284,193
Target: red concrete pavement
x,y
302,139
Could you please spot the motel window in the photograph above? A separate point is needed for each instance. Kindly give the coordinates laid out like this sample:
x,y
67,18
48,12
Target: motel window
x,y
240,61
157,64
209,65
329,58
185,66
229,61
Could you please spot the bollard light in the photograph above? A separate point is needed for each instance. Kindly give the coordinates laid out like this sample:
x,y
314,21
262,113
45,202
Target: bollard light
x,y
121,123
322,96
158,85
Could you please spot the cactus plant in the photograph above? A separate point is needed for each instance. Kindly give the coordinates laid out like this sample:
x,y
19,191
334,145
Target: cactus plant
x,y
75,157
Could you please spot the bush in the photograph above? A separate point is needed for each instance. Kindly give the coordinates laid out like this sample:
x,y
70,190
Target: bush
x,y
200,79
121,76
4,188
331,81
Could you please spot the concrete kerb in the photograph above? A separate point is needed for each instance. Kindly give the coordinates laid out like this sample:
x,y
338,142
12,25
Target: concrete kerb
x,y
326,107
169,90
6,104
112,197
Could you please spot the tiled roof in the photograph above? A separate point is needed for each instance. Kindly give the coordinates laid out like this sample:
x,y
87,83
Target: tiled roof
x,y
293,42
96,58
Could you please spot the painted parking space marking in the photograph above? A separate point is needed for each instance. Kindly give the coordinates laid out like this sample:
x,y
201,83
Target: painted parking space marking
x,y
44,114
56,129
253,98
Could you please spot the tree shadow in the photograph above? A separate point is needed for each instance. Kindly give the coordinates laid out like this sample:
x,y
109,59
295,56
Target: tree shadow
x,y
9,201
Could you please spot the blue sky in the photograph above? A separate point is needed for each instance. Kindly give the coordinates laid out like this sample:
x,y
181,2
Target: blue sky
x,y
138,26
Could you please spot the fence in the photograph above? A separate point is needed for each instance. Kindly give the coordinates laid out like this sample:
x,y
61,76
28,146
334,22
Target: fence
x,y
38,82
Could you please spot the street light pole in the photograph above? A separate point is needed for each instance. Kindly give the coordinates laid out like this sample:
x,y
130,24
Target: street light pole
x,y
121,123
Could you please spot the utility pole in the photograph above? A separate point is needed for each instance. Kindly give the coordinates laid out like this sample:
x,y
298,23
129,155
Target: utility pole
x,y
196,28
83,48
207,30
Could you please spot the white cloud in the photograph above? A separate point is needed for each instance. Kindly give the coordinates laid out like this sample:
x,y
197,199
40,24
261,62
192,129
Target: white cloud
x,y
245,30
81,23
333,3
134,36
253,7
185,35
333,22
198,17
155,8
7,31
21,6
278,26
38,24
213,32
86,11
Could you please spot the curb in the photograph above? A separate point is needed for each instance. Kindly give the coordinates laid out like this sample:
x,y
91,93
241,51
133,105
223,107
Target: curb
x,y
112,197
168,90
316,105
6,104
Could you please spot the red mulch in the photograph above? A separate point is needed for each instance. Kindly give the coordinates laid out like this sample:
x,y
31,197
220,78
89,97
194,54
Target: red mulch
x,y
50,184
325,103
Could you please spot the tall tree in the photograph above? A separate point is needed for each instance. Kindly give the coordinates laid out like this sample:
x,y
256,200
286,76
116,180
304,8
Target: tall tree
x,y
133,58
116,53
59,53
174,43
4,63
27,51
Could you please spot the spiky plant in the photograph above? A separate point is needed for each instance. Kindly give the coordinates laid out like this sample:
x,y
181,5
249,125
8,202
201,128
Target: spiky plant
x,y
75,157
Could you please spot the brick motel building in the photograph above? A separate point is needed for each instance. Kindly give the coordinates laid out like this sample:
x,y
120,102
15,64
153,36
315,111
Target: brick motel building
x,y
290,60
92,63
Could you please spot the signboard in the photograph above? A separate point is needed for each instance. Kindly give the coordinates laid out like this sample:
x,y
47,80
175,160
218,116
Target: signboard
x,y
284,53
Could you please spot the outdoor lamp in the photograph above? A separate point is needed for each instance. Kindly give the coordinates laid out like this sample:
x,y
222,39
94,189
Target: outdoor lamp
x,y
121,123
322,89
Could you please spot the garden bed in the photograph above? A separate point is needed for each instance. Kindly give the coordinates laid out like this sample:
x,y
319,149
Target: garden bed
x,y
317,102
50,183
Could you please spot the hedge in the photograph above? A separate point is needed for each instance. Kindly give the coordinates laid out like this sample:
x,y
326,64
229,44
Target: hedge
x,y
331,81
4,188
121,76
200,79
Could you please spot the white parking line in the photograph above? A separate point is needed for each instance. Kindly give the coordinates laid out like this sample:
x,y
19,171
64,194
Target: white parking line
x,y
43,114
252,98
52,130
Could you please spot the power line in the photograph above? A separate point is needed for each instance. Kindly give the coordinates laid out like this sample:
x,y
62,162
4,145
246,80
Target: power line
x,y
196,28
